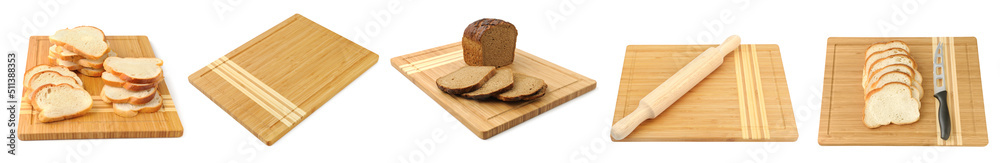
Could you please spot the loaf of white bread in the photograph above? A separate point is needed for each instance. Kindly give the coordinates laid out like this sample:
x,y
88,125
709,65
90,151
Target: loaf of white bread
x,y
130,85
892,85
82,49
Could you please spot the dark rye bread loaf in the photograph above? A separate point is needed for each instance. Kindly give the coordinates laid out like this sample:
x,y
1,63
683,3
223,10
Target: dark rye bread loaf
x,y
525,88
465,79
501,81
489,42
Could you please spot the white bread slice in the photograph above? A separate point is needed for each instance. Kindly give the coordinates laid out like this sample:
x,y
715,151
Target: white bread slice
x,y
57,51
893,103
897,77
135,70
882,46
87,41
113,81
92,72
60,102
890,60
73,66
95,64
882,54
874,75
47,77
62,71
131,110
122,95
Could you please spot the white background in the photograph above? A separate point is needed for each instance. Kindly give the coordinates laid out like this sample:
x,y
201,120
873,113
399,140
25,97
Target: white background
x,y
382,117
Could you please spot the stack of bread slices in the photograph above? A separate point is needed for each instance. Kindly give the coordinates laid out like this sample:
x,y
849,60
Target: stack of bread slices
x,y
892,85
82,49
130,85
56,92
488,49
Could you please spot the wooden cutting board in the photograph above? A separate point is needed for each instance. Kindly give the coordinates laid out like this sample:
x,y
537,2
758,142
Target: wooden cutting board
x,y
279,78
488,118
843,97
745,99
101,122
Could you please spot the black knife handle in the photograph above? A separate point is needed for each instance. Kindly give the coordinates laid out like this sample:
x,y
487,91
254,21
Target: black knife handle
x,y
944,118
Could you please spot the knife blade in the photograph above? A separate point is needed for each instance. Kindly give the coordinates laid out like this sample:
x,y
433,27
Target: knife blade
x,y
941,93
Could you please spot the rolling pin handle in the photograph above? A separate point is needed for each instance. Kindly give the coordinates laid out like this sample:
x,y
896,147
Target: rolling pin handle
x,y
626,125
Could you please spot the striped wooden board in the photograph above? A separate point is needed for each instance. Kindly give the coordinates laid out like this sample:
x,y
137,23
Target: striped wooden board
x,y
745,99
101,122
280,77
488,118
843,97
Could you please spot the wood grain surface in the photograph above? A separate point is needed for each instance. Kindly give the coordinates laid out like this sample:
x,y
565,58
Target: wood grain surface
x,y
745,99
488,118
101,122
280,77
843,97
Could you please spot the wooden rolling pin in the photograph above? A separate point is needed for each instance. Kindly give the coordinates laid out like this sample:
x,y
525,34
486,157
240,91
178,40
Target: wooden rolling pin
x,y
676,86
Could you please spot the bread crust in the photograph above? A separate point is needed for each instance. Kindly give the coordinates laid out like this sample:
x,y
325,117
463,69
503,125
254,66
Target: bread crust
x,y
45,119
472,45
91,72
881,43
135,80
31,91
130,86
863,116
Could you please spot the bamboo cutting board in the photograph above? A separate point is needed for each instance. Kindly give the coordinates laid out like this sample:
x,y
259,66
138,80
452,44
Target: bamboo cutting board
x,y
745,99
488,118
279,78
101,122
843,97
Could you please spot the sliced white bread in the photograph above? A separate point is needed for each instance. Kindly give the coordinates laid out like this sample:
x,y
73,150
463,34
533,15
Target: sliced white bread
x,y
92,72
874,75
135,70
892,103
883,46
890,60
60,102
122,95
130,110
95,64
48,77
897,77
87,41
113,81
882,54
62,71
73,66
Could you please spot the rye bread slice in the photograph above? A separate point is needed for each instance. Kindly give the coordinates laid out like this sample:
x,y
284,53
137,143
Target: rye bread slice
x,y
502,80
465,79
525,88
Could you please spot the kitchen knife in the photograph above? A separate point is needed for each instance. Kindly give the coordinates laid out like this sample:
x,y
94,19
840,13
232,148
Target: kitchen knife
x,y
941,93
676,86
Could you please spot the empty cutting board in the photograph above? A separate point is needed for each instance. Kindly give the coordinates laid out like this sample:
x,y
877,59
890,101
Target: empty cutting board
x,y
843,97
279,78
488,118
101,122
745,99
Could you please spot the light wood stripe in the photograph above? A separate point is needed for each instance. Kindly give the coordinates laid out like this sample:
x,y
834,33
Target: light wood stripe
x,y
267,89
934,44
285,112
220,70
955,113
760,92
753,113
431,63
742,99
